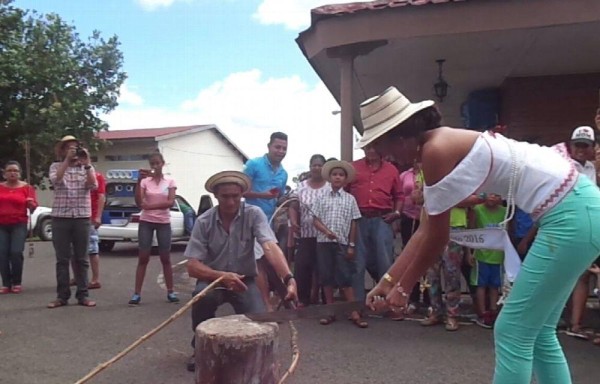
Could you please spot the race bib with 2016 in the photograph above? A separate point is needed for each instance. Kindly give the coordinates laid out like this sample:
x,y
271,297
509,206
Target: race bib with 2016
x,y
490,238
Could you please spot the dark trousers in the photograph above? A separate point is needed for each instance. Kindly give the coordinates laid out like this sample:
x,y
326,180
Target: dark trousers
x,y
70,238
12,244
249,301
305,267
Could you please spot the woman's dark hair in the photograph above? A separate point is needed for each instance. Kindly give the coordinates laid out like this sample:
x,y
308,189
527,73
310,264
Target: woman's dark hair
x,y
157,154
13,162
331,159
419,123
317,157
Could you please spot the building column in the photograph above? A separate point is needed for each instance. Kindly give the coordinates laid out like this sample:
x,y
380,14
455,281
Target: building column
x,y
346,131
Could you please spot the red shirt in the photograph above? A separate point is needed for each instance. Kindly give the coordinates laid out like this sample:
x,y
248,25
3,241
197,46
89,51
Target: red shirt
x,y
375,189
94,193
13,204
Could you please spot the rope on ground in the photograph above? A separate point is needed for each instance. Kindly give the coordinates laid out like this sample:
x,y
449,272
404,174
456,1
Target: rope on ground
x,y
139,341
295,353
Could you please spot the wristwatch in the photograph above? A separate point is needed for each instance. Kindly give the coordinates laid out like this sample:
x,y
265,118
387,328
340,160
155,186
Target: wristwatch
x,y
287,278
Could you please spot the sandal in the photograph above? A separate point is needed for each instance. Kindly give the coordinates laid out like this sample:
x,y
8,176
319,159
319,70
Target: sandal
x,y
577,333
86,303
327,320
94,285
57,303
431,320
451,324
359,322
16,289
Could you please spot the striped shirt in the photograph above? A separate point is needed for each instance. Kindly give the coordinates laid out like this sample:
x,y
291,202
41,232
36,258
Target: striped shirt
x,y
336,210
307,196
72,193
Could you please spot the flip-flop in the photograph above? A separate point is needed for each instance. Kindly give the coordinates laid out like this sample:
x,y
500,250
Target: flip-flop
x,y
86,303
95,285
56,304
327,320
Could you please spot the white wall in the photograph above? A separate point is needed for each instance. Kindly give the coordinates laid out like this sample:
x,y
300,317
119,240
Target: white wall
x,y
191,159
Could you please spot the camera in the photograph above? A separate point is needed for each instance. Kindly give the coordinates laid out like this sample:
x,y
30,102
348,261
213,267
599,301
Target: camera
x,y
80,151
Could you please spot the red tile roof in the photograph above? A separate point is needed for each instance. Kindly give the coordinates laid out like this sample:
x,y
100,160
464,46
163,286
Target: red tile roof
x,y
327,11
145,133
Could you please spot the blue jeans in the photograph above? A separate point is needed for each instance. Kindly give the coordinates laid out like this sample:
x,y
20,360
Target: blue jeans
x,y
568,242
249,301
12,244
374,252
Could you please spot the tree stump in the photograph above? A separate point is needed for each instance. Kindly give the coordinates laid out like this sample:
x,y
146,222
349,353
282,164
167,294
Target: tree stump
x,y
236,350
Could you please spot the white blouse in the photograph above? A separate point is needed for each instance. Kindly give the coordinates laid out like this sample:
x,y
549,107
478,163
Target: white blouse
x,y
543,175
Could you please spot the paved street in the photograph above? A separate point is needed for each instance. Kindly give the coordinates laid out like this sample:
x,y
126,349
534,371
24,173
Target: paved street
x,y
61,345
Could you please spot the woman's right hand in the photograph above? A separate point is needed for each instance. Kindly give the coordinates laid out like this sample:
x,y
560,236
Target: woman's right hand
x,y
376,297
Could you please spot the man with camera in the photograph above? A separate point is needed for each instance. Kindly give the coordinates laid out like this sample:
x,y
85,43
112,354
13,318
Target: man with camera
x,y
73,177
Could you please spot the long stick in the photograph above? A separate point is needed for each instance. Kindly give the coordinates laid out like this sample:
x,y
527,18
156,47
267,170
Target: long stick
x,y
295,353
139,341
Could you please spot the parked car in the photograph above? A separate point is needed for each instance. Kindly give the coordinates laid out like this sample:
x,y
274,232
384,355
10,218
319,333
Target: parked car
x,y
41,223
121,215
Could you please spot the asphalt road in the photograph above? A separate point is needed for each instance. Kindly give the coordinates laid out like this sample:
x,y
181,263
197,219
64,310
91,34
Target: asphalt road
x,y
59,346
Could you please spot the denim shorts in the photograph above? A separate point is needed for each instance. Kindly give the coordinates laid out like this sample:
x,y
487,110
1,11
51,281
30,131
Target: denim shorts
x,y
334,269
94,240
146,231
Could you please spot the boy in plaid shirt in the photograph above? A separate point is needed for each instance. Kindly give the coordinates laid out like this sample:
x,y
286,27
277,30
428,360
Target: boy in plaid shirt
x,y
335,218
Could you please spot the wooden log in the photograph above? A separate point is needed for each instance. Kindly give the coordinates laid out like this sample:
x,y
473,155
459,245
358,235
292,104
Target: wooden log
x,y
236,350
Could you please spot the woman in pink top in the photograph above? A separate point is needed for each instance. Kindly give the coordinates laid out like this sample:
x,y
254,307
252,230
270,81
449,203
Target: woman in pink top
x,y
409,222
155,195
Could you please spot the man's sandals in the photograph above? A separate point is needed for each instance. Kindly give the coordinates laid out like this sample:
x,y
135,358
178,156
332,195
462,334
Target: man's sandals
x,y
61,303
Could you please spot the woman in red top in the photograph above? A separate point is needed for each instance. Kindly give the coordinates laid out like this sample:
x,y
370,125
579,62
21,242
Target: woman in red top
x,y
16,197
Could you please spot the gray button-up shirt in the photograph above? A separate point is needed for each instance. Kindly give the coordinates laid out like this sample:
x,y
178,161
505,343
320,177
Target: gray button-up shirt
x,y
233,251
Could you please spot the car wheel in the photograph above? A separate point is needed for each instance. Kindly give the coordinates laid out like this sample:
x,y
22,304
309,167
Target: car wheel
x,y
106,245
45,230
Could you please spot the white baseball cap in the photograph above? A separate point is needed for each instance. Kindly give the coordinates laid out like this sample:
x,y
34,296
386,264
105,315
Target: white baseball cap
x,y
584,135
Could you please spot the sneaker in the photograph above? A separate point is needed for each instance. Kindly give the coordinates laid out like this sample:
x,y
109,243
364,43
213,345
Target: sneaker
x,y
172,298
431,320
135,299
484,323
4,290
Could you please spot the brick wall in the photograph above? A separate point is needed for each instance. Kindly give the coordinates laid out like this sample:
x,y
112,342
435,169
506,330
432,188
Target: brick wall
x,y
548,108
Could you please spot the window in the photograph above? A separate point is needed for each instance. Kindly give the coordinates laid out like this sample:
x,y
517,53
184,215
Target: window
x,y
126,157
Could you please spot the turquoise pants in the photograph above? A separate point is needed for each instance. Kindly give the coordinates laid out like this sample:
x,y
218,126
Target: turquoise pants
x,y
568,241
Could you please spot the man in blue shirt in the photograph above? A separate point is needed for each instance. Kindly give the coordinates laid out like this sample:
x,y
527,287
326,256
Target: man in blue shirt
x,y
268,176
269,180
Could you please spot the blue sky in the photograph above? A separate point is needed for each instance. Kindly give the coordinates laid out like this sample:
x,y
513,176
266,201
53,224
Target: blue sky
x,y
234,63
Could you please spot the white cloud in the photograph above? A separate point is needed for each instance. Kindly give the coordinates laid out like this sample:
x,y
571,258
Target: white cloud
x,y
151,5
248,108
130,97
293,14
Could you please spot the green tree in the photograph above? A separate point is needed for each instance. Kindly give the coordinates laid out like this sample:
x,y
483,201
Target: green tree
x,y
52,83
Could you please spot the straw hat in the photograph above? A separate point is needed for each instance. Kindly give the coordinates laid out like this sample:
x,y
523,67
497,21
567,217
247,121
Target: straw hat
x,y
332,164
382,113
59,145
228,177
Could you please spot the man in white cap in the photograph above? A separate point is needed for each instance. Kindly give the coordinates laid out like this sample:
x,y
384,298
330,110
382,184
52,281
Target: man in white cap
x,y
222,245
583,140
